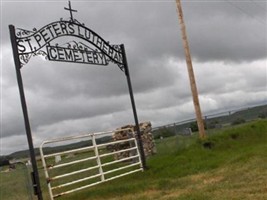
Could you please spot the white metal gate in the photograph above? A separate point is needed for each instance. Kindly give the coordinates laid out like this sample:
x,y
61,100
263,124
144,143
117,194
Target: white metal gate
x,y
86,163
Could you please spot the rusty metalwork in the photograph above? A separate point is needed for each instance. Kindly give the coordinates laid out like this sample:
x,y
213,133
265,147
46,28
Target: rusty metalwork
x,y
94,164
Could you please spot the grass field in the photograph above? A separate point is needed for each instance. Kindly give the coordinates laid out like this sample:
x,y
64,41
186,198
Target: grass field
x,y
233,166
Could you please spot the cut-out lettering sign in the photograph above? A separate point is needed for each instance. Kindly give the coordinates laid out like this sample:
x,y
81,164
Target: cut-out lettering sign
x,y
84,46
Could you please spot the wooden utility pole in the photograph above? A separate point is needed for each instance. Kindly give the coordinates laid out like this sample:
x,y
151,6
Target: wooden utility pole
x,y
193,85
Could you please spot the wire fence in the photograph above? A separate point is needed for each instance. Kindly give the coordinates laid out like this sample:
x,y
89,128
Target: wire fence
x,y
16,182
211,121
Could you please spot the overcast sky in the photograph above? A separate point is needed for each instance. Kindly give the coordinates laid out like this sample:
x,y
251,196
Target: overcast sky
x,y
228,43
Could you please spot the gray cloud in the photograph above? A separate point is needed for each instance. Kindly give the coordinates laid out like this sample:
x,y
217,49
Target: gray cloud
x,y
227,42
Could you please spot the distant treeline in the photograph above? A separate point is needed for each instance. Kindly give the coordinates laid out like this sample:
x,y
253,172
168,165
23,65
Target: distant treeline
x,y
211,121
49,150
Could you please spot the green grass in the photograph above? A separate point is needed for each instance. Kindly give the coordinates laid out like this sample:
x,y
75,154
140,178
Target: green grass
x,y
183,169
14,185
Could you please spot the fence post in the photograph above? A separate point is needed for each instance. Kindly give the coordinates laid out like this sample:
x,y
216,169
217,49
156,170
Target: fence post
x,y
98,158
139,138
36,180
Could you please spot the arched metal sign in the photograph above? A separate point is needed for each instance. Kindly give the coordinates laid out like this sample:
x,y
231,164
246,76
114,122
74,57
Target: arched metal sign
x,y
32,43
85,47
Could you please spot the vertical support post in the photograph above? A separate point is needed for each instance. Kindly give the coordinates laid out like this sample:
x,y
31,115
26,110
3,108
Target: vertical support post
x,y
138,153
139,139
100,169
48,181
193,85
36,185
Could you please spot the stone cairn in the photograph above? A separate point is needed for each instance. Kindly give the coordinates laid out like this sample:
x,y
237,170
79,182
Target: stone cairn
x,y
125,132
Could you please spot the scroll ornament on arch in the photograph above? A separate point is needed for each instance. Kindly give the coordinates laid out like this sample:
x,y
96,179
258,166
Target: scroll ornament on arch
x,y
84,45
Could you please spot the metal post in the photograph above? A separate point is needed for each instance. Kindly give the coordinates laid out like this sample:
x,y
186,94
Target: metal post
x,y
36,185
139,139
193,84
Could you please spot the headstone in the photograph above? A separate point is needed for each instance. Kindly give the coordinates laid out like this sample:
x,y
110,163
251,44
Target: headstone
x,y
187,131
29,163
57,158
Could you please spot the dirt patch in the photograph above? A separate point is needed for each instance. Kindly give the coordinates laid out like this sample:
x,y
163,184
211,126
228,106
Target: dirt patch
x,y
213,180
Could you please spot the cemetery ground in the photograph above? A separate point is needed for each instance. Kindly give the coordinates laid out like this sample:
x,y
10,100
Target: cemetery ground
x,y
229,164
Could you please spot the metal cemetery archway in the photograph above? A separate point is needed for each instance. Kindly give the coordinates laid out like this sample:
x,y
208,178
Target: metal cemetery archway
x,y
94,50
